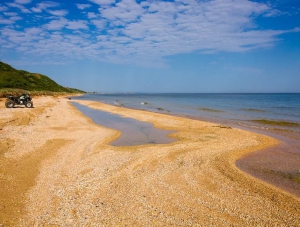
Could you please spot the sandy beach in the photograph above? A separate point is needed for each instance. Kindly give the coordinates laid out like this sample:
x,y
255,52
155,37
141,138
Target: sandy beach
x,y
58,169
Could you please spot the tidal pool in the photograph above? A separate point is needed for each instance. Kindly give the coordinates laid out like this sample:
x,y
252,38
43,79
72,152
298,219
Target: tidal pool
x,y
133,132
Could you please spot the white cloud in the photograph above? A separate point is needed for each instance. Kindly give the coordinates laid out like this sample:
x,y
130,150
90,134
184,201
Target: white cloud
x,y
3,8
126,10
102,37
83,6
15,18
21,7
10,14
100,24
296,29
36,10
91,15
22,1
56,24
273,13
21,38
34,31
59,13
43,6
5,21
145,32
80,24
103,2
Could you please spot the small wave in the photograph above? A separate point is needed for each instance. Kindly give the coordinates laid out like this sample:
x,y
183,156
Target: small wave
x,y
276,123
210,110
286,108
254,110
253,126
267,128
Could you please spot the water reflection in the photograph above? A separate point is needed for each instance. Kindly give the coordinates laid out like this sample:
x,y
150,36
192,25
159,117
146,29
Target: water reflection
x,y
133,132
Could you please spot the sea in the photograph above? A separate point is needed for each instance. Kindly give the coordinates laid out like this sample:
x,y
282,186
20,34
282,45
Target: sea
x,y
276,111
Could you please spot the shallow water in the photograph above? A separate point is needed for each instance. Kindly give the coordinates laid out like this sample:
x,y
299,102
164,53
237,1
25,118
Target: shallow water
x,y
279,165
267,110
133,132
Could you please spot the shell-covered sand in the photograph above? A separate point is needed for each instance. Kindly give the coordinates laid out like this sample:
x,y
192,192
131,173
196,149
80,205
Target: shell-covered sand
x,y
58,169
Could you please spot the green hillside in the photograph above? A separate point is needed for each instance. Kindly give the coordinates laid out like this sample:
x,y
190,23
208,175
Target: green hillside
x,y
11,78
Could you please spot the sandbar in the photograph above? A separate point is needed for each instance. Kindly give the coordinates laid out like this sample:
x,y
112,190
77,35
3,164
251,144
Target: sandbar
x,y
58,169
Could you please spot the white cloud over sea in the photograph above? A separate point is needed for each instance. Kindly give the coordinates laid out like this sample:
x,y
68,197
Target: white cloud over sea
x,y
128,32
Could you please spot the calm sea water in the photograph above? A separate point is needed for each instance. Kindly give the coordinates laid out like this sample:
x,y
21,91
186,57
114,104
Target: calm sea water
x,y
261,110
133,132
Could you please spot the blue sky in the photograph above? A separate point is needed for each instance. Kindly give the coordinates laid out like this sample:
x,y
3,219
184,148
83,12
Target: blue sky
x,y
156,46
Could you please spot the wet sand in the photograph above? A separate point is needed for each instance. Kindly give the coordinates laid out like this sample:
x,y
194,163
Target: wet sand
x,y
58,169
279,165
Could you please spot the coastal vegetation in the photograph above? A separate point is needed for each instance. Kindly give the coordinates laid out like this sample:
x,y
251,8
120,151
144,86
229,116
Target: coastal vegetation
x,y
15,82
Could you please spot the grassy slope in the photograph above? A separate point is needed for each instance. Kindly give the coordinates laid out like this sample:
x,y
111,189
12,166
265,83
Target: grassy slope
x,y
11,79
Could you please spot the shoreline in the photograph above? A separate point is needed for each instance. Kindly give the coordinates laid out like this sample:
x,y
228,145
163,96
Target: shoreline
x,y
85,180
282,171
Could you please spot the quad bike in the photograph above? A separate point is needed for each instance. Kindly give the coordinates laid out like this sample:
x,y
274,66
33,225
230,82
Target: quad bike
x,y
24,99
